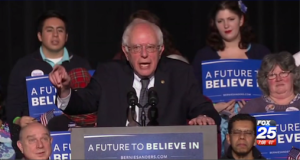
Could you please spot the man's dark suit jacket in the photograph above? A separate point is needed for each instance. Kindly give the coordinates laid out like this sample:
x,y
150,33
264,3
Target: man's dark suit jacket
x,y
179,96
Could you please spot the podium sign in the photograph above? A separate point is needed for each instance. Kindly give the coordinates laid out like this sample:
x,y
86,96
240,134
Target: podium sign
x,y
174,142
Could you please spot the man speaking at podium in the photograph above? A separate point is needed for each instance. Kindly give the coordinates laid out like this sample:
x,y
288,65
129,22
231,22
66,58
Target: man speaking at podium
x,y
107,93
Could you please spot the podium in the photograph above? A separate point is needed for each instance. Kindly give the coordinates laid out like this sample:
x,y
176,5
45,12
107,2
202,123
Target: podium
x,y
159,142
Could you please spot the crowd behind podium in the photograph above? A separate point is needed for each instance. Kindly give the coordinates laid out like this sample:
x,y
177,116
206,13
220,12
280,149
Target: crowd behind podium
x,y
147,59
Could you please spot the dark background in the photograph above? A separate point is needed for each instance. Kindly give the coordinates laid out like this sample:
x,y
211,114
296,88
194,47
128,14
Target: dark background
x,y
95,27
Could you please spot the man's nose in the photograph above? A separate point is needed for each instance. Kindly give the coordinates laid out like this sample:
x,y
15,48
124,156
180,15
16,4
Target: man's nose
x,y
242,136
55,33
39,144
144,53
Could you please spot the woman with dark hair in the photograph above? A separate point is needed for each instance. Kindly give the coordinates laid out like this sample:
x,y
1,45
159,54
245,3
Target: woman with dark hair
x,y
230,37
150,17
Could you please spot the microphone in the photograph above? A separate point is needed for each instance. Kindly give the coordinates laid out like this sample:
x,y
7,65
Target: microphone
x,y
132,99
152,116
152,97
152,111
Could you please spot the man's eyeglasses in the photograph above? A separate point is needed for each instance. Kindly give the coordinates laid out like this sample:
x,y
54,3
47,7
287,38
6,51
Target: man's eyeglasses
x,y
139,48
281,74
239,132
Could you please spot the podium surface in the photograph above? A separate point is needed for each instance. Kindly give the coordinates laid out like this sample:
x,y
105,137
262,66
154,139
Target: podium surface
x,y
159,142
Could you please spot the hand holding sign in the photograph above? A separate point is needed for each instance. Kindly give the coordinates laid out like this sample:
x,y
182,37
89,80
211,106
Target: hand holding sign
x,y
25,120
61,80
223,105
241,105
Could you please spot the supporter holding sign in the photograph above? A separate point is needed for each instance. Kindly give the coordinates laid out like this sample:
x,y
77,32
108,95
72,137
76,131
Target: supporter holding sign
x,y
52,32
279,80
230,37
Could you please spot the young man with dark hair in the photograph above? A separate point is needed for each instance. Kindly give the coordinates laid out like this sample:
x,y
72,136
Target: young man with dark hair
x,y
53,35
242,138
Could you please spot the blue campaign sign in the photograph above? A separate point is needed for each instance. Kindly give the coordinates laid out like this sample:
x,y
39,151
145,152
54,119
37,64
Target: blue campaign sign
x,y
224,80
144,146
288,133
42,95
61,145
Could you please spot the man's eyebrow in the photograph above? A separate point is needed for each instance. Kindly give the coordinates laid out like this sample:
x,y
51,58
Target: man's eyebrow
x,y
47,134
30,136
59,27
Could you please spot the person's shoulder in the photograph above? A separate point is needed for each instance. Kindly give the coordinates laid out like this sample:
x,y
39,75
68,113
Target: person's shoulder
x,y
297,55
205,53
171,62
205,49
77,58
174,66
259,50
259,46
27,59
297,58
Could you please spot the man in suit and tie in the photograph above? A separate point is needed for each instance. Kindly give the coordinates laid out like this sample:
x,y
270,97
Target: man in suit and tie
x,y
179,96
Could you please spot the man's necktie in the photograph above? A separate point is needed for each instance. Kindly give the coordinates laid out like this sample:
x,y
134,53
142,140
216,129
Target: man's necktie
x,y
144,98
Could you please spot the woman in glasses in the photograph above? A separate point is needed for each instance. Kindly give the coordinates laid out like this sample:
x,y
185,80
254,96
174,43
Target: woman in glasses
x,y
279,79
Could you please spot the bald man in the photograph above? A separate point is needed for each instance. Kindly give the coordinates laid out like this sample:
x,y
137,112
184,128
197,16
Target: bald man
x,y
35,142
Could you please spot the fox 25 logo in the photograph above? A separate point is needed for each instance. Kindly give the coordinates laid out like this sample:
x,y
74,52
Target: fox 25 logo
x,y
266,132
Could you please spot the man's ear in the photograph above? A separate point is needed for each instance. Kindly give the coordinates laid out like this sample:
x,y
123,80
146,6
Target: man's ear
x,y
162,48
39,35
51,140
125,51
254,143
228,139
19,144
67,36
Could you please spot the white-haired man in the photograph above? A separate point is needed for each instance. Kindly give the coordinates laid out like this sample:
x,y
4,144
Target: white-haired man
x,y
174,81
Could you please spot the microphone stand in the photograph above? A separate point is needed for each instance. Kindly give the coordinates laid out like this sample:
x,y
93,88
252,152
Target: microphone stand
x,y
153,115
143,113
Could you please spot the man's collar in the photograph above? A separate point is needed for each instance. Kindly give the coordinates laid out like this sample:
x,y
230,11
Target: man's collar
x,y
136,77
66,56
255,152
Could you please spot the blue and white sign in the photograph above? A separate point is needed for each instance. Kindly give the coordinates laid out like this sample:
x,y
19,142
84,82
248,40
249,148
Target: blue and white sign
x,y
42,95
144,146
61,145
224,80
288,133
